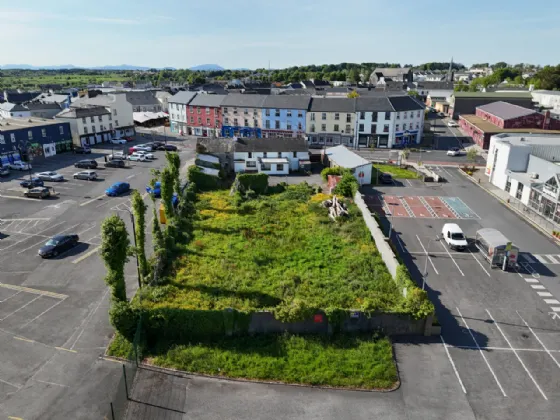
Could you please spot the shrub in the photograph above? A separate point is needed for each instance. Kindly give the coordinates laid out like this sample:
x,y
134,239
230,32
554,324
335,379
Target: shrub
x,y
202,181
124,318
256,182
331,171
347,186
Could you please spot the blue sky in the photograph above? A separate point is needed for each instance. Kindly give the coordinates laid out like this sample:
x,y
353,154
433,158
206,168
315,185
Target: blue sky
x,y
249,33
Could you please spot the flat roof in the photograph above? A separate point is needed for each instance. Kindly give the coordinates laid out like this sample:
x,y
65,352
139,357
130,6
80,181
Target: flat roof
x,y
345,158
488,127
7,124
505,110
529,139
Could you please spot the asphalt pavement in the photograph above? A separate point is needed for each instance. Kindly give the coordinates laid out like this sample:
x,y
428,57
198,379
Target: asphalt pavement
x,y
54,313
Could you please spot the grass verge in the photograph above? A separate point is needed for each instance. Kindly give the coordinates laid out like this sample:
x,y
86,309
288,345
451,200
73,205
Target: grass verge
x,y
395,171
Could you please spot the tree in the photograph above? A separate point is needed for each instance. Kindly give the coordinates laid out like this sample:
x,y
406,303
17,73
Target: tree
x,y
115,249
471,155
499,65
353,94
354,75
139,209
174,164
167,183
414,93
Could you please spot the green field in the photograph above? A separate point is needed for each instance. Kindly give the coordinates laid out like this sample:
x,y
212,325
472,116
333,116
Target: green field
x,y
32,80
396,171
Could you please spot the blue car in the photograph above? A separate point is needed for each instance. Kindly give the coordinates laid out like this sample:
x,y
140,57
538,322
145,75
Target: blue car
x,y
156,192
117,188
32,183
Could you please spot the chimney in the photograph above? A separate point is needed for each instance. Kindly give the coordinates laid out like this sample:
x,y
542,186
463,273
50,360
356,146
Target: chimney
x,y
546,121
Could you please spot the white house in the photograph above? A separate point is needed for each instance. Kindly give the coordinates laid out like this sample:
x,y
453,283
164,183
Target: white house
x,y
143,101
118,106
547,98
272,156
340,156
178,110
89,124
163,97
9,110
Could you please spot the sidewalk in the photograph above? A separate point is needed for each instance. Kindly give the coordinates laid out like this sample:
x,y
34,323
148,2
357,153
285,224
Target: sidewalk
x,y
533,218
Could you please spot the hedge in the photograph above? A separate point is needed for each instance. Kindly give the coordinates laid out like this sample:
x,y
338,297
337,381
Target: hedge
x,y
255,182
202,181
416,303
331,171
206,164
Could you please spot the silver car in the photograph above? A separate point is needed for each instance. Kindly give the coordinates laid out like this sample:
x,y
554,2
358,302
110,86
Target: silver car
x,y
87,175
50,176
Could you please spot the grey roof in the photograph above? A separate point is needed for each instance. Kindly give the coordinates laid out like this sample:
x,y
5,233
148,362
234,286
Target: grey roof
x,y
53,98
333,105
8,124
141,98
493,237
392,72
287,102
505,110
207,100
271,144
405,103
10,107
216,145
80,112
40,105
102,100
374,103
182,97
345,158
241,100
162,94
434,85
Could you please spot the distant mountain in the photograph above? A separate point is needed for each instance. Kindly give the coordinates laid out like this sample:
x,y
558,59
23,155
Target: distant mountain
x,y
207,67
71,66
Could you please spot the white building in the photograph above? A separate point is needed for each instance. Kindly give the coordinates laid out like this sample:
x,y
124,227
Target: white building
x,y
547,98
340,156
527,166
163,97
89,124
9,110
272,156
120,109
143,101
178,110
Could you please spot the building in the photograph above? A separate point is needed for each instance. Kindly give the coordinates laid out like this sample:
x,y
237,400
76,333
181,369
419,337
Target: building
x,y
242,115
204,115
398,74
340,156
43,110
466,102
143,101
89,124
503,117
284,115
439,99
118,106
528,168
30,138
547,99
388,121
163,97
178,111
19,96
278,156
220,147
63,101
11,110
426,89
331,121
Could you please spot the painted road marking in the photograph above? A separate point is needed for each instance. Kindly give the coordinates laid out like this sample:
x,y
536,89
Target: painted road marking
x,y
42,313
130,176
19,220
537,286
452,259
88,254
551,258
479,263
39,243
20,308
64,349
555,308
85,203
530,280
20,198
427,255
516,355
552,301
541,259
527,258
544,294
539,340
499,348
453,364
23,240
33,291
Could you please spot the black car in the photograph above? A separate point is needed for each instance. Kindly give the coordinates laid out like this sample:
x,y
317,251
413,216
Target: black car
x,y
83,150
385,178
86,163
167,147
57,245
156,145
117,163
32,183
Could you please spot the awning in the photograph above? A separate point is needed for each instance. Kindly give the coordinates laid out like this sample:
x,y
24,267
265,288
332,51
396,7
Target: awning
x,y
142,117
274,160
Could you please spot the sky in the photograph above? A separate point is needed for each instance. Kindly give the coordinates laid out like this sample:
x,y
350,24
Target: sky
x,y
250,33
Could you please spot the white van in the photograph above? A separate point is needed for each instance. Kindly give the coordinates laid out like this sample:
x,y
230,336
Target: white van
x,y
454,236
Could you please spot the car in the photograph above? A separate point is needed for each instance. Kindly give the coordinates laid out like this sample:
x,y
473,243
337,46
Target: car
x,y
117,188
87,175
441,114
167,147
4,171
385,178
50,176
147,155
452,124
156,191
454,236
157,145
19,165
86,164
143,147
57,245
455,151
117,156
128,138
136,156
82,149
118,141
38,192
116,163
32,183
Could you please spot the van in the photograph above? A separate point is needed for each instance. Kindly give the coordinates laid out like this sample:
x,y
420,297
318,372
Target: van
x,y
454,236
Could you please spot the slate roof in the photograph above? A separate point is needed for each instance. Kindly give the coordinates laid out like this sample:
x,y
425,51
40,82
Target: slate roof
x,y
20,97
182,97
333,105
374,104
90,111
287,102
141,98
40,105
405,103
345,158
500,95
207,100
52,98
241,100
10,107
279,144
391,72
505,110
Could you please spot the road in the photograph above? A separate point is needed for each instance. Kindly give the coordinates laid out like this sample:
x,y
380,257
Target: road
x,y
54,313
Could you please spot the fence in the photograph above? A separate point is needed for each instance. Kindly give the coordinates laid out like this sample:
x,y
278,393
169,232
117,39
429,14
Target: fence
x,y
532,215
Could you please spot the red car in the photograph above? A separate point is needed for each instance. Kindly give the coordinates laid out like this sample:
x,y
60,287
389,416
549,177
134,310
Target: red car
x,y
128,138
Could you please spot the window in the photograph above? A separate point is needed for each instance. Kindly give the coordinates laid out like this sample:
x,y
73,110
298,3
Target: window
x,y
312,128
264,154
398,116
299,126
386,128
235,110
84,120
226,121
2,139
115,112
336,116
99,118
324,116
417,126
279,167
374,117
336,127
250,155
289,113
294,154
312,116
92,119
116,123
246,121
411,114
85,130
198,110
329,139
235,122
255,111
267,113
323,127
43,132
398,127
267,124
276,112
256,123
192,119
347,130
110,126
404,127
13,137
199,120
207,110
30,135
519,192
362,115
361,127
277,125
300,114
418,114
246,111
288,126
225,109
61,129
387,115
93,128
348,118
207,121
110,117
508,184
404,115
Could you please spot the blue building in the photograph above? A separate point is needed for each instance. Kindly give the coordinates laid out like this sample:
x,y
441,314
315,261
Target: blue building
x,y
30,138
284,115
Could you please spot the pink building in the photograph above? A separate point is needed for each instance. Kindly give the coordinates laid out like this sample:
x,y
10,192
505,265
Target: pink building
x,y
204,116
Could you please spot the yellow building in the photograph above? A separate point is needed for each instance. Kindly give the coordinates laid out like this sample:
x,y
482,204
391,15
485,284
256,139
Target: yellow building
x,y
331,121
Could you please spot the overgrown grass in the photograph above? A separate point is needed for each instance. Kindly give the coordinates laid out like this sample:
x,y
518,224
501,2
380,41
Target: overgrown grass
x,y
273,248
342,361
395,171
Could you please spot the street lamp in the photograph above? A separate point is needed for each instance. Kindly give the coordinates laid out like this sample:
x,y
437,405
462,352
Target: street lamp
x,y
135,245
437,238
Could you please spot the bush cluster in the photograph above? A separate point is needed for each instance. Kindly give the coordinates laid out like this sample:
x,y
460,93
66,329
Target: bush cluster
x,y
202,181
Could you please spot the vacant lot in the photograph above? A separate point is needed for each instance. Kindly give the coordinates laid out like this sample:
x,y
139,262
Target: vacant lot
x,y
395,171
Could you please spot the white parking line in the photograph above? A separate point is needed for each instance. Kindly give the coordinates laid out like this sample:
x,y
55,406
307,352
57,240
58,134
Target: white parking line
x,y
20,198
427,255
530,280
130,176
544,294
482,353
555,308
453,365
537,286
551,258
39,243
409,183
88,254
452,259
539,340
25,239
20,308
516,355
552,301
479,263
85,203
42,313
541,259
85,230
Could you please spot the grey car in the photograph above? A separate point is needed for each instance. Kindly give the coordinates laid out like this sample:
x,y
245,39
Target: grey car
x,y
87,175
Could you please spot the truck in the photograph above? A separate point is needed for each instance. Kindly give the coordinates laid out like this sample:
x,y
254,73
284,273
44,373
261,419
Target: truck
x,y
496,248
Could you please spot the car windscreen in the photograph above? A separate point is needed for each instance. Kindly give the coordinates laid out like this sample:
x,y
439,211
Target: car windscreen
x,y
52,242
457,236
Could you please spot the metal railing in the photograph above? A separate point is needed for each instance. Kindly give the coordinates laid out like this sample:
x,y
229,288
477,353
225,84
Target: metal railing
x,y
534,216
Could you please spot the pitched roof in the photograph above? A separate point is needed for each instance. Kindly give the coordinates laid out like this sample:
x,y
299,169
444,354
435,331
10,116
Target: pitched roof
x,y
505,110
145,97
207,100
500,95
345,158
41,105
182,97
10,107
333,105
241,100
287,101
279,144
392,72
488,127
405,103
215,145
79,112
53,98
102,100
8,124
374,103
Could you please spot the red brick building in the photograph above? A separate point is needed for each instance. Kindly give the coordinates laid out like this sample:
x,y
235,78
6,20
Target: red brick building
x,y
204,116
503,117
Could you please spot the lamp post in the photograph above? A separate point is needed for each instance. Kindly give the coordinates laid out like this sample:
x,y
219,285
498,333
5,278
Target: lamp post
x,y
425,274
135,245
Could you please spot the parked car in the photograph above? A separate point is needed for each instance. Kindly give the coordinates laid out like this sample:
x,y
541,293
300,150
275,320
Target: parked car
x,y
156,191
147,155
452,124
455,151
117,188
82,149
50,176
87,175
385,178
454,236
116,163
86,163
19,165
38,192
57,245
118,141
117,156
136,156
32,183
156,145
128,138
4,171
167,147
143,147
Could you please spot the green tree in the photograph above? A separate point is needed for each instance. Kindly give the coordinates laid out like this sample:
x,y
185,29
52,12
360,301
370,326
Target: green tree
x,y
115,249
174,164
167,183
139,209
414,93
353,94
354,75
471,155
499,65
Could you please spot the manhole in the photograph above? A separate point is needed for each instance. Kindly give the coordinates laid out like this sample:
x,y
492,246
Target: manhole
x,y
524,335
